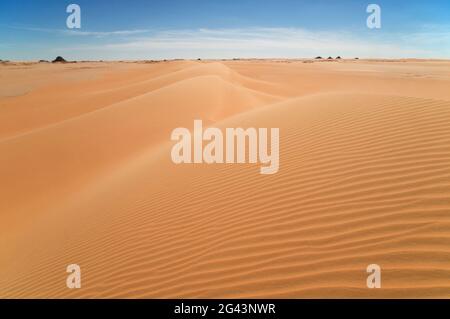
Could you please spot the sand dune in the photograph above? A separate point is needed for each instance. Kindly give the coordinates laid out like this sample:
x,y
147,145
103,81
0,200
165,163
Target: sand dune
x,y
364,178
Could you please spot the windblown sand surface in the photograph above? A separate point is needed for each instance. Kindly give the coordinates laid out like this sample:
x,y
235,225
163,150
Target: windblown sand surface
x,y
86,177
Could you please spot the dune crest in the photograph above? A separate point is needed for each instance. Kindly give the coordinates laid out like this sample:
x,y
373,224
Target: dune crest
x,y
363,179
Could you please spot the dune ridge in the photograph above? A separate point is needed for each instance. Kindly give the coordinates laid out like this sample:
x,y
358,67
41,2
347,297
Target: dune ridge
x,y
364,178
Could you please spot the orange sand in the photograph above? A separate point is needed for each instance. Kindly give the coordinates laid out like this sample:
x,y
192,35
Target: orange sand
x,y
86,178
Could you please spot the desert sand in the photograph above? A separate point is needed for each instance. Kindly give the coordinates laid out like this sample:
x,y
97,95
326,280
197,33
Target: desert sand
x,y
86,177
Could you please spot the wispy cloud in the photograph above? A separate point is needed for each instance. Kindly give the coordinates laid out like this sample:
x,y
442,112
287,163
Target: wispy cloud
x,y
430,34
76,32
105,33
252,42
274,42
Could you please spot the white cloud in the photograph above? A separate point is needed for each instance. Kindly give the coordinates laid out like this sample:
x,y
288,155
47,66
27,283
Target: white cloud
x,y
81,32
268,43
256,42
103,33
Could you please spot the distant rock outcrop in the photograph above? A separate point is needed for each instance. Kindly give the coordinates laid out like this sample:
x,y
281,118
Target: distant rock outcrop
x,y
338,58
318,58
330,58
59,59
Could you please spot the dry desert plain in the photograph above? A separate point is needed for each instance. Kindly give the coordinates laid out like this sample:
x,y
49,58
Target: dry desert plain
x,y
86,177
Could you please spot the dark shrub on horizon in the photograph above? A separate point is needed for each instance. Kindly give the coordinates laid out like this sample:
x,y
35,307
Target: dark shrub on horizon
x,y
59,59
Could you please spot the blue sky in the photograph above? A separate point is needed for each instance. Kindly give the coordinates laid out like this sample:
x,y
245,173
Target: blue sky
x,y
146,29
